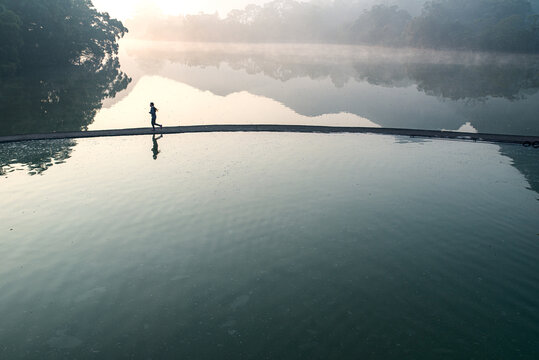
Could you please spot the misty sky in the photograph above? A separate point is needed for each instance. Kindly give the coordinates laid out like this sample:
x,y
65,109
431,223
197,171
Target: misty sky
x,y
123,9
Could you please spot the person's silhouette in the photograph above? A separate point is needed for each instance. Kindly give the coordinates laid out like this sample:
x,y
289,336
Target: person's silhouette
x,y
155,148
153,112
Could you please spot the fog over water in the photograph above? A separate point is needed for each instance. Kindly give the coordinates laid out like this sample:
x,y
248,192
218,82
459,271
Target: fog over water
x,y
406,88
124,9
501,26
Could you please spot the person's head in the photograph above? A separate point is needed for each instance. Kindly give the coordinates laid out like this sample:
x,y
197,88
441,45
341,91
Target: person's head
x,y
151,104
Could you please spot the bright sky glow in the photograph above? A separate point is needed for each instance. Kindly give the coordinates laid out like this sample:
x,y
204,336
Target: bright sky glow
x,y
124,9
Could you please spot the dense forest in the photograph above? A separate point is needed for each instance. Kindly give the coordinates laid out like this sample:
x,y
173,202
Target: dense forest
x,y
489,25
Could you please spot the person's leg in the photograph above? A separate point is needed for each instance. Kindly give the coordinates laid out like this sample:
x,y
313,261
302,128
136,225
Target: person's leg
x,y
153,123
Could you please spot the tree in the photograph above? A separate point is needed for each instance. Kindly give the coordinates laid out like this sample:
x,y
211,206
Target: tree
x,y
494,25
62,32
381,25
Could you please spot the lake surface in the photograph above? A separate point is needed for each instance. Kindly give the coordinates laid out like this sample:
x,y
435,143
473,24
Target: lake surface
x,y
271,246
268,246
195,83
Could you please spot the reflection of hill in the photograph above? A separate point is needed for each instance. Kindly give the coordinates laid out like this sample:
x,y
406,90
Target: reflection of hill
x,y
404,88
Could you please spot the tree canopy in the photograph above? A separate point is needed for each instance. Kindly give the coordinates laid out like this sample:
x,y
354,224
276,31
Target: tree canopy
x,y
494,25
40,33
381,25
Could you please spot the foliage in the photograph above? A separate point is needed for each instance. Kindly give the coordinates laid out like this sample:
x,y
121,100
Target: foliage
x,y
275,21
381,25
50,100
57,33
494,25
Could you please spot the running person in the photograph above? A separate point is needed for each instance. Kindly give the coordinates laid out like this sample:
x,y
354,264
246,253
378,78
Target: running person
x,y
153,112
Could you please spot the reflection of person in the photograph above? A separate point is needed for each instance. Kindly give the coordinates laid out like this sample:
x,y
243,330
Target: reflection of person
x,y
153,112
155,148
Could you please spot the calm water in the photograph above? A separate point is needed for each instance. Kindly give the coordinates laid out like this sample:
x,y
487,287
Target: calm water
x,y
326,84
281,84
269,246
265,246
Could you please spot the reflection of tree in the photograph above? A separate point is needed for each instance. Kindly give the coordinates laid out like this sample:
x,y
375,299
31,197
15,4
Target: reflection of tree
x,y
510,81
61,61
63,99
453,76
382,74
35,156
526,161
457,82
286,71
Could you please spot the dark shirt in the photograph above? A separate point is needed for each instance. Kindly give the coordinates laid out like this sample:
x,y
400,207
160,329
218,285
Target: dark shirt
x,y
152,111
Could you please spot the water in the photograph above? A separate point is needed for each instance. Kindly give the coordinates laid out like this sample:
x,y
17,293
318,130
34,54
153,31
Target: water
x,y
282,84
253,246
327,85
264,246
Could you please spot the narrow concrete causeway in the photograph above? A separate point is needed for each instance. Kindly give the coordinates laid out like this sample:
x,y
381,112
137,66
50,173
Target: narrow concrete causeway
x,y
498,138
